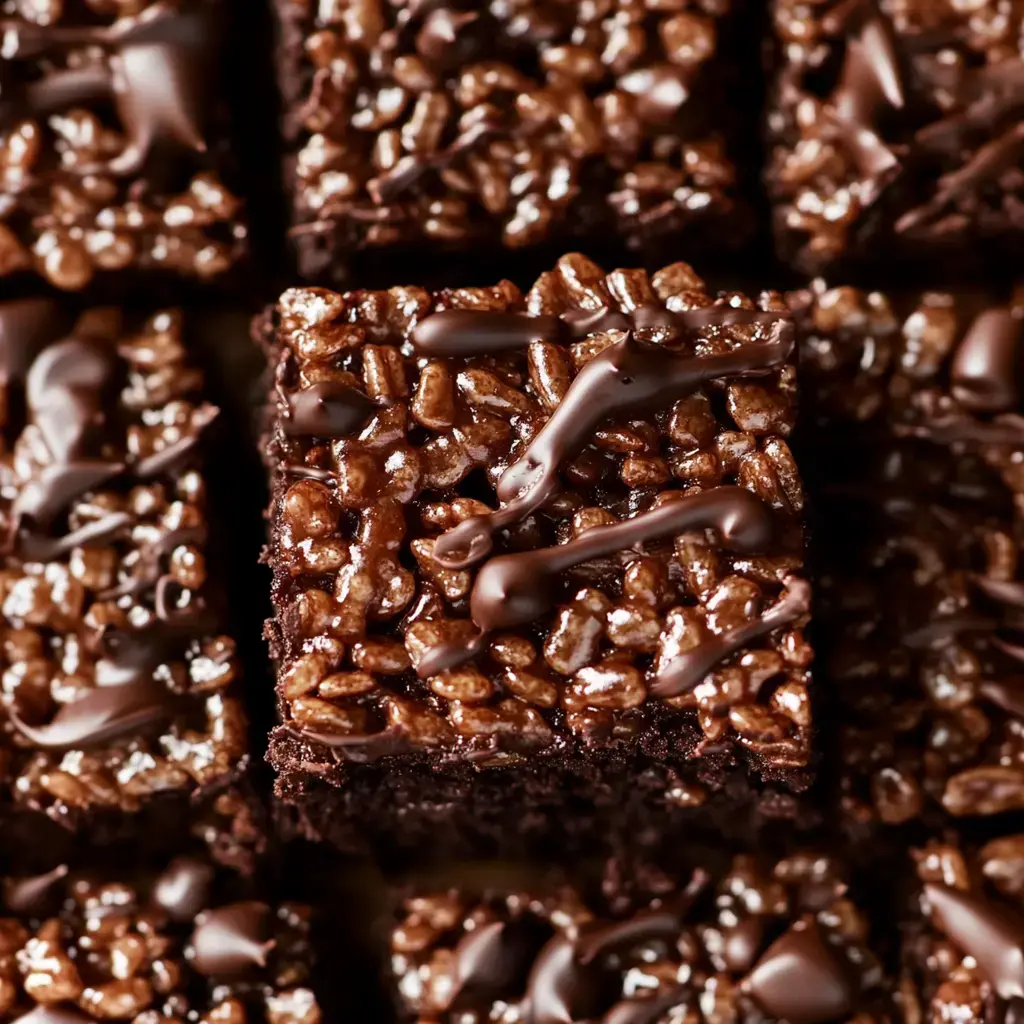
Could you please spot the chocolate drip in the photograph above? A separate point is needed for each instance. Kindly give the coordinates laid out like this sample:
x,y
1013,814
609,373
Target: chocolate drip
x,y
557,981
183,889
623,378
327,409
152,72
230,940
474,332
30,895
686,670
33,548
515,589
986,368
992,934
799,979
102,714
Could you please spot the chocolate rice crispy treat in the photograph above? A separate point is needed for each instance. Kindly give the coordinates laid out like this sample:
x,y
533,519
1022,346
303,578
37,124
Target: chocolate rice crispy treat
x,y
534,549
897,126
964,931
506,123
117,682
178,944
756,942
112,138
921,533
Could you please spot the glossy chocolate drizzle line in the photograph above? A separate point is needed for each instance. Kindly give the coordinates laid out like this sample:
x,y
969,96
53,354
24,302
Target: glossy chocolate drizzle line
x,y
230,940
103,713
515,589
990,933
686,670
985,372
624,377
326,409
474,332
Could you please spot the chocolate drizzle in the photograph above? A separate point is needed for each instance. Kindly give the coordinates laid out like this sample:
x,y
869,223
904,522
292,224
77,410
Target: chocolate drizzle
x,y
686,670
101,714
990,933
623,378
30,895
799,979
986,369
151,69
231,940
183,889
462,333
511,590
327,409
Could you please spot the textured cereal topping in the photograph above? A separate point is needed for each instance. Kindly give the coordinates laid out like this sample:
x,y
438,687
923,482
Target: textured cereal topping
x,y
473,553
924,500
77,948
898,120
755,944
519,121
104,164
116,682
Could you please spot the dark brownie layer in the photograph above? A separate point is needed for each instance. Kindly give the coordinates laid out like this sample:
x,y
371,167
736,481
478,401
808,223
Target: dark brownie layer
x,y
921,533
757,941
896,127
645,601
183,943
119,685
507,124
112,139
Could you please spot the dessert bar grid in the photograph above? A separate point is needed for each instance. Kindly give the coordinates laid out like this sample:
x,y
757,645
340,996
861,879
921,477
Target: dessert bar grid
x,y
634,398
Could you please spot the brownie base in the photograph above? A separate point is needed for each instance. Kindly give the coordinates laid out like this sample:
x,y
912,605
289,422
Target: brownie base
x,y
407,809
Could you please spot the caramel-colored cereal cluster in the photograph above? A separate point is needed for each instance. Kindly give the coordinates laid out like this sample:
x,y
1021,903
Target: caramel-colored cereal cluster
x,y
85,192
701,952
104,595
76,947
895,120
510,121
362,601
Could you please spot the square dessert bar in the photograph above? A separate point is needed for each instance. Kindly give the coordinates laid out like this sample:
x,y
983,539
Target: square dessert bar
x,y
897,125
752,941
180,942
963,931
921,533
509,124
112,135
533,551
118,682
